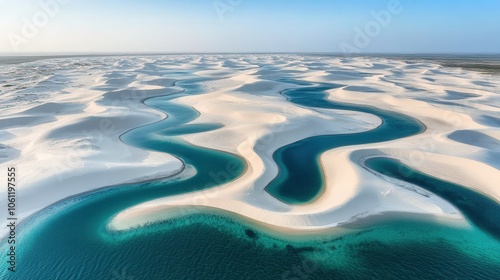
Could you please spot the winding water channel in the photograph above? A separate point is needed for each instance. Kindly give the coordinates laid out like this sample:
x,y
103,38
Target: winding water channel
x,y
70,239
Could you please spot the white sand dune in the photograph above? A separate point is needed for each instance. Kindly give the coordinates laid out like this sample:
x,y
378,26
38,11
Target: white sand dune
x,y
350,190
68,143
455,105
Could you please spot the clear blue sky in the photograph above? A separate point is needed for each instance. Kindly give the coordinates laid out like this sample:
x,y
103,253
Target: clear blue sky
x,y
85,26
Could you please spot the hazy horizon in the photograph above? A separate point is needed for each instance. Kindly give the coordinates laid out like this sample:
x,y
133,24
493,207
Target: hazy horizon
x,y
64,54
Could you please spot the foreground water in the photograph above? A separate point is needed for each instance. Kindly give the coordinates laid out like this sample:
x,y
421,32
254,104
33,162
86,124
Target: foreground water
x,y
481,210
70,240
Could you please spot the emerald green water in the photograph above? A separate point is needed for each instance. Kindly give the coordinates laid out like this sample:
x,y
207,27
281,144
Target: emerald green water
x,y
70,239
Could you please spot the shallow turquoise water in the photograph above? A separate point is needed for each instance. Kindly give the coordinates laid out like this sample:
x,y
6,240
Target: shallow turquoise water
x,y
481,210
209,246
70,240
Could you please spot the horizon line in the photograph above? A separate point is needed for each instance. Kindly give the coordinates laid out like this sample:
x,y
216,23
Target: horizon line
x,y
21,54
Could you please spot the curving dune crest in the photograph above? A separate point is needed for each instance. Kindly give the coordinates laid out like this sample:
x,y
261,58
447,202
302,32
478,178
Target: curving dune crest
x,y
258,120
87,104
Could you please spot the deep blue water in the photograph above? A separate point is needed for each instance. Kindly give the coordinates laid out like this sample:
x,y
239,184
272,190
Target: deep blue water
x,y
300,178
70,240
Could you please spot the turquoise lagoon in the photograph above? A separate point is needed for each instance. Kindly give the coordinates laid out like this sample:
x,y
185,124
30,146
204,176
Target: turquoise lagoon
x,y
70,239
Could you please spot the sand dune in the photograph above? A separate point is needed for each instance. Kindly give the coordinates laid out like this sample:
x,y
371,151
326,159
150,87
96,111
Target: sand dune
x,y
242,92
350,190
68,143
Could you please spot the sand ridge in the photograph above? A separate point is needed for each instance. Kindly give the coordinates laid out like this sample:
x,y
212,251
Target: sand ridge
x,y
50,115
350,190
